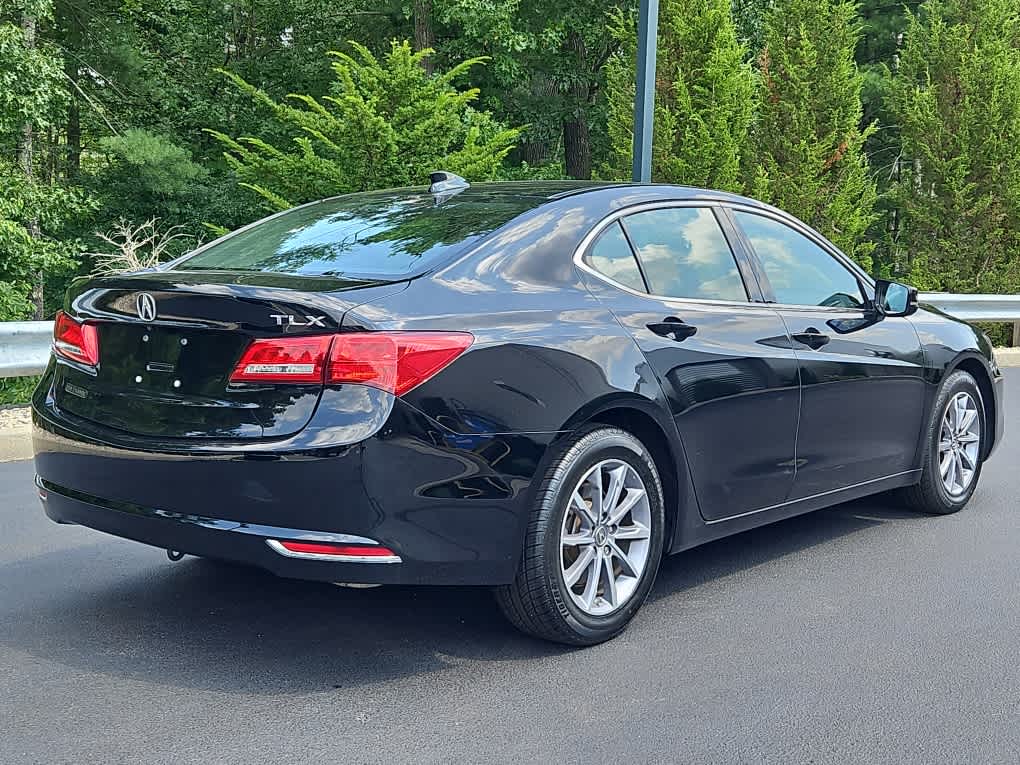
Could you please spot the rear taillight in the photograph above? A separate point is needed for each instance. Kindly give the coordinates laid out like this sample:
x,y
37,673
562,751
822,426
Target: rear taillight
x,y
75,340
283,359
392,361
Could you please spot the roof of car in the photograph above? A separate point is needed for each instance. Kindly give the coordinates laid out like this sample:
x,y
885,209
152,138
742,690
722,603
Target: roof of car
x,y
560,189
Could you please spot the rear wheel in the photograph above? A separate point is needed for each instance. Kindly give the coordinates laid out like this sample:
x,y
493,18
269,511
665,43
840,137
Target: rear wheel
x,y
593,542
953,447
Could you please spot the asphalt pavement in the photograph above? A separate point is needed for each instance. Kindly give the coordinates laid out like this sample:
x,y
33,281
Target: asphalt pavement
x,y
862,633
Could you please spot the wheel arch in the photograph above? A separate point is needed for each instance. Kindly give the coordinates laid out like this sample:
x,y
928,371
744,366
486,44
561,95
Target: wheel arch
x,y
668,457
977,368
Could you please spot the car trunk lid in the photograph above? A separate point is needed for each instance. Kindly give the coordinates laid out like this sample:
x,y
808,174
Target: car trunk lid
x,y
169,341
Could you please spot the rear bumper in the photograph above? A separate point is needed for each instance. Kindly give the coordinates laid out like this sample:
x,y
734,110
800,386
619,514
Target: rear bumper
x,y
243,543
452,507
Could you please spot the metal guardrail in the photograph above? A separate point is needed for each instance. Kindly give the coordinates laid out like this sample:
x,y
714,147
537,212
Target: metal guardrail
x,y
992,308
25,345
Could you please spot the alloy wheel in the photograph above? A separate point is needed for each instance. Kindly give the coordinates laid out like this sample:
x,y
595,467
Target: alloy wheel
x,y
959,444
605,537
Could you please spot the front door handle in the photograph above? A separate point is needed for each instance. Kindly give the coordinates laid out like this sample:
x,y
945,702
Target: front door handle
x,y
811,337
673,328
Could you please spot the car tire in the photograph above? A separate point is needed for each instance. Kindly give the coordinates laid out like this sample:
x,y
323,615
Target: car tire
x,y
614,571
932,494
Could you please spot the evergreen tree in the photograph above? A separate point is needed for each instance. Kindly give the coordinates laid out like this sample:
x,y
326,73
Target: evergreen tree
x,y
749,18
957,101
704,99
808,140
387,122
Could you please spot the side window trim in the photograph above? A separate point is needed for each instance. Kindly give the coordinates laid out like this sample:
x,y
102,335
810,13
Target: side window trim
x,y
758,288
766,286
622,223
741,255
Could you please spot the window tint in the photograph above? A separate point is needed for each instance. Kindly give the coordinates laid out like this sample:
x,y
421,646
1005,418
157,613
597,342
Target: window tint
x,y
611,255
801,272
382,234
684,254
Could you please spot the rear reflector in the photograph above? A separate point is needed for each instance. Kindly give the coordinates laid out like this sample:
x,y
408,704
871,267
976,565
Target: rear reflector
x,y
75,340
392,361
349,553
284,359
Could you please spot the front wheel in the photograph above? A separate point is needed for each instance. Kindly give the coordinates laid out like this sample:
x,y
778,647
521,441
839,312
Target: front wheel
x,y
593,542
953,448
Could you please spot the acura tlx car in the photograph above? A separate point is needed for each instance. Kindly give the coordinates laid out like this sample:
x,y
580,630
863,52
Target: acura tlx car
x,y
542,387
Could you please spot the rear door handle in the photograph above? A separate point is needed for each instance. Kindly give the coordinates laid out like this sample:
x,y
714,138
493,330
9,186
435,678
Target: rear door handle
x,y
811,337
673,328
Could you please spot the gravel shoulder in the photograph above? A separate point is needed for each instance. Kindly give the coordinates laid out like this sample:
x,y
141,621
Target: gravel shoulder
x,y
15,434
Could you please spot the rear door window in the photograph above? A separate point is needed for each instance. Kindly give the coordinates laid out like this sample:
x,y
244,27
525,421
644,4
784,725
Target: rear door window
x,y
683,254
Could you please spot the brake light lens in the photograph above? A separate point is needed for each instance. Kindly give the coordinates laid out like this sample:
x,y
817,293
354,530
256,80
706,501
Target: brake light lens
x,y
75,340
284,359
393,361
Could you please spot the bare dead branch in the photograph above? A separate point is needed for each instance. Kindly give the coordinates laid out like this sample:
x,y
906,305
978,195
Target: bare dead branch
x,y
135,248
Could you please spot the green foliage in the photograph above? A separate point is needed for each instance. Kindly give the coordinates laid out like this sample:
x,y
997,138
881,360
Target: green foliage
x,y
24,253
152,164
704,99
957,103
154,62
28,81
808,141
143,176
386,122
17,390
547,70
749,18
30,77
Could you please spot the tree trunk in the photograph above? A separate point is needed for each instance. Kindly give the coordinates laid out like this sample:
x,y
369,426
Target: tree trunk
x,y
533,152
25,140
73,141
424,37
577,147
576,141
73,132
25,159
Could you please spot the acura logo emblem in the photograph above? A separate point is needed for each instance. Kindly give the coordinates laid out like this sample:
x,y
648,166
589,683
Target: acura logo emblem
x,y
146,306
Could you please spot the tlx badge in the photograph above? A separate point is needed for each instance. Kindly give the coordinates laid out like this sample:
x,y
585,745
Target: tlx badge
x,y
293,321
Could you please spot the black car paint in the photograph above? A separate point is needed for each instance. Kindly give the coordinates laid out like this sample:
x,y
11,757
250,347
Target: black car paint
x,y
446,474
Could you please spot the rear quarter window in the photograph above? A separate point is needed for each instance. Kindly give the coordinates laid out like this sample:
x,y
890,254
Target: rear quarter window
x,y
611,255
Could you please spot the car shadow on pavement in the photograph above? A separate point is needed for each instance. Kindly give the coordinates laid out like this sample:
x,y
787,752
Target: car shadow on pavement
x,y
749,549
123,610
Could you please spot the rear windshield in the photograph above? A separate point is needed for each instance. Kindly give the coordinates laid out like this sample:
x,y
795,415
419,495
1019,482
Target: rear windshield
x,y
364,235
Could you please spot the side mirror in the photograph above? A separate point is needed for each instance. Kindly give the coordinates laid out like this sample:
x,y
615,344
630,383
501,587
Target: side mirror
x,y
895,299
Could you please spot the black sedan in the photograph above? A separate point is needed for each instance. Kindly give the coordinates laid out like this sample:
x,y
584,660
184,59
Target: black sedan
x,y
541,387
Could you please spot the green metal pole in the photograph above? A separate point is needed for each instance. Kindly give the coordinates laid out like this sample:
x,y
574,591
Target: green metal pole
x,y
644,100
